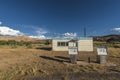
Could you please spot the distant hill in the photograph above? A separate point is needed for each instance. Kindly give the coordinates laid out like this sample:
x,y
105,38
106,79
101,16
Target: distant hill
x,y
17,38
108,38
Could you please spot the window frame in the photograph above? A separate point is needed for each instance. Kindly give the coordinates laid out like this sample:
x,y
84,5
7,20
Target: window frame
x,y
62,44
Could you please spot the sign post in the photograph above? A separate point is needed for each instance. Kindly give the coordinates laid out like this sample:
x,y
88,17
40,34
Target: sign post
x,y
102,53
73,52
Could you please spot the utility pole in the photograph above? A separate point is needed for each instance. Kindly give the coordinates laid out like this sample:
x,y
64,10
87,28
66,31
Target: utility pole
x,y
84,32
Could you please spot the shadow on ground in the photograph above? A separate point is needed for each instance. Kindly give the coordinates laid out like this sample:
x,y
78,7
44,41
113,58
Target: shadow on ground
x,y
80,76
61,57
45,48
56,58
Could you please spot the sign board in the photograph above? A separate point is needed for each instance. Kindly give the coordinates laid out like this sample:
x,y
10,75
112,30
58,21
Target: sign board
x,y
73,50
102,50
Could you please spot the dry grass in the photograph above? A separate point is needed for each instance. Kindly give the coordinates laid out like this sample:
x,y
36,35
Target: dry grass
x,y
22,63
114,52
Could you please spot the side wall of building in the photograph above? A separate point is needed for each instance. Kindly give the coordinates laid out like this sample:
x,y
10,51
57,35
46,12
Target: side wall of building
x,y
85,45
55,46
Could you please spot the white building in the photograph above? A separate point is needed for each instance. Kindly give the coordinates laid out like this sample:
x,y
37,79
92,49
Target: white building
x,y
62,44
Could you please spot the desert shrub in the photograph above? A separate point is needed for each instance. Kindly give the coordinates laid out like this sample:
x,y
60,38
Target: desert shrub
x,y
29,44
12,42
3,42
48,42
21,43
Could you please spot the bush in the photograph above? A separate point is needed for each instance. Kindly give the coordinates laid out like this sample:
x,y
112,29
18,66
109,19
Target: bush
x,y
29,44
14,43
21,43
2,42
48,42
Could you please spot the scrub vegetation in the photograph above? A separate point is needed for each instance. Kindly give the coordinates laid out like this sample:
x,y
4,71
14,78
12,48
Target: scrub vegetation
x,y
36,61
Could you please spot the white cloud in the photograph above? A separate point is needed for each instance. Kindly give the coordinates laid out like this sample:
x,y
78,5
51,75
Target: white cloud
x,y
4,30
116,29
70,34
38,37
36,31
40,31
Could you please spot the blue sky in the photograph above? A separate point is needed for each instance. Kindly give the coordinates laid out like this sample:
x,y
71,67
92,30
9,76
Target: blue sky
x,y
56,17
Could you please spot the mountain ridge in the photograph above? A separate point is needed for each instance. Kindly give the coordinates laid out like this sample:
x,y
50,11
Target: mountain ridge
x,y
108,38
17,38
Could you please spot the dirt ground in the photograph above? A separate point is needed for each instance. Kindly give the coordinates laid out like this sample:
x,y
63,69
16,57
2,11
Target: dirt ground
x,y
23,63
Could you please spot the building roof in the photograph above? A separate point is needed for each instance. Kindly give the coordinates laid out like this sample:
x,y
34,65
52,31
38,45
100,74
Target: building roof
x,y
76,38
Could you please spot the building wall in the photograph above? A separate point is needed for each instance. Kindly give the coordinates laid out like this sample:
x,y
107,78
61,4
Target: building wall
x,y
59,48
83,45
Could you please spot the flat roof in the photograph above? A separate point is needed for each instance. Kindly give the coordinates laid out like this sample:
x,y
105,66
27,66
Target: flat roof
x,y
77,38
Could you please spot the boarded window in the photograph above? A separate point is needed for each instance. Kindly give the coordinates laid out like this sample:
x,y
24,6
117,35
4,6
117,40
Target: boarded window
x,y
62,43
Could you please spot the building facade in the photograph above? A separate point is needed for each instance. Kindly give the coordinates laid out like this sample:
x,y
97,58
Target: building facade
x,y
62,44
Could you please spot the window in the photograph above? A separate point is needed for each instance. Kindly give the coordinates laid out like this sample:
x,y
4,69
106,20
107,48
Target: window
x,y
62,43
66,43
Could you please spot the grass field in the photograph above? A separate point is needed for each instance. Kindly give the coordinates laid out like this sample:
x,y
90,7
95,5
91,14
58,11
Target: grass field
x,y
40,63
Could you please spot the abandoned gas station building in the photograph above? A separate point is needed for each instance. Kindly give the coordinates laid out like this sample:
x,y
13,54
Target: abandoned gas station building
x,y
62,44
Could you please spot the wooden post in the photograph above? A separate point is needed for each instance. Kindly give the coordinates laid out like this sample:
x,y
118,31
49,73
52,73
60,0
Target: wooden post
x,y
88,59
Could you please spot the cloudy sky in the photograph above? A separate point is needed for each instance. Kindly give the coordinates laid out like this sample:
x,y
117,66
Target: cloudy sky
x,y
49,18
